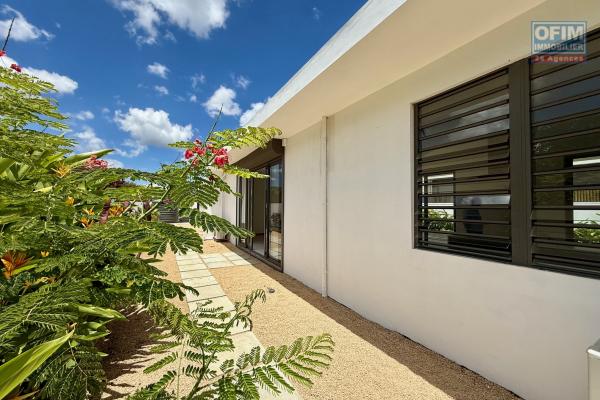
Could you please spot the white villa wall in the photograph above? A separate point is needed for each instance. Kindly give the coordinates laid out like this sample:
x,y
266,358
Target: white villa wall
x,y
525,329
303,218
229,204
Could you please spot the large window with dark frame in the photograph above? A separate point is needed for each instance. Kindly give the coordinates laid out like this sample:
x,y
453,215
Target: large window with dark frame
x,y
508,166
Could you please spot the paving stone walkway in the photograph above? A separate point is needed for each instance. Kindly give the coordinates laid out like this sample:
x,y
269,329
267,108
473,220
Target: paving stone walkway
x,y
195,272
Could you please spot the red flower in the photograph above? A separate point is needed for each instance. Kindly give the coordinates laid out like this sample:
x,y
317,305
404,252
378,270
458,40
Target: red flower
x,y
94,163
200,150
16,67
189,154
2,53
222,160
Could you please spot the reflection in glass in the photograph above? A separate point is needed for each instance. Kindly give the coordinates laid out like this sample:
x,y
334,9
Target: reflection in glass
x,y
243,208
275,211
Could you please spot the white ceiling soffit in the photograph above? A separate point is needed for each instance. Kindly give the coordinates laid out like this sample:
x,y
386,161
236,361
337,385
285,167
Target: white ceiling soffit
x,y
383,42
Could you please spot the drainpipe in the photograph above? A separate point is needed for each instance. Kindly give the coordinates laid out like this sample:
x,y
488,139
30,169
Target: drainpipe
x,y
323,191
594,371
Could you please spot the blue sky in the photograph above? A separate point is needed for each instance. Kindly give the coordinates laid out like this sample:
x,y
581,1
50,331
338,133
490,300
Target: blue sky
x,y
137,74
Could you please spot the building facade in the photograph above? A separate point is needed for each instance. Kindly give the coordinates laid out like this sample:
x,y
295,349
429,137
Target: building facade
x,y
434,180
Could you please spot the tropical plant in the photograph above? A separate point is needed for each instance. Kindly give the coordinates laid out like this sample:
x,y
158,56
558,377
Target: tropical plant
x,y
71,236
198,347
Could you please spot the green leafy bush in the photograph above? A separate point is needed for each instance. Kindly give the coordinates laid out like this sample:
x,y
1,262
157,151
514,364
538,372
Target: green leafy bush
x,y
72,232
198,346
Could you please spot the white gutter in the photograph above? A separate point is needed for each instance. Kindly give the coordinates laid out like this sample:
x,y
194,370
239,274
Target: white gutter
x,y
323,191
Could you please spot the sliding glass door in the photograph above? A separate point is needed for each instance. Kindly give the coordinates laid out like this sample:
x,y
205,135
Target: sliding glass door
x,y
275,212
260,210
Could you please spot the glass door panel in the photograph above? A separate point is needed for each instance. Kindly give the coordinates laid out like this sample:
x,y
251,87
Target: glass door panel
x,y
274,212
258,209
243,209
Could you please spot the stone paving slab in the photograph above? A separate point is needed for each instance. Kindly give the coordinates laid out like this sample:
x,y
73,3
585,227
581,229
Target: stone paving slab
x,y
192,267
213,256
199,282
222,301
190,261
195,272
187,256
206,292
218,264
198,273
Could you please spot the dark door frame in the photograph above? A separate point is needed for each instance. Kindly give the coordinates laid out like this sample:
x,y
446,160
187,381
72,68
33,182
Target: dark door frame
x,y
247,197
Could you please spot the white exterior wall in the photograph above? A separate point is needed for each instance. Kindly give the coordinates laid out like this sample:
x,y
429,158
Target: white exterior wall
x,y
303,218
525,329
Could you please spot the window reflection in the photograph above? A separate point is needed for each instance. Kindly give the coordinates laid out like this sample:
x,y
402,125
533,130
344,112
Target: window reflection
x,y
586,216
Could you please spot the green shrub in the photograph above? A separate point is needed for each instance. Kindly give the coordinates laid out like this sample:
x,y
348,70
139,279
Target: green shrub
x,y
72,232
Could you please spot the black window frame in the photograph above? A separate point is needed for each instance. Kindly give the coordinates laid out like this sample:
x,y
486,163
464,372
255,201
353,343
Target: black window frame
x,y
521,182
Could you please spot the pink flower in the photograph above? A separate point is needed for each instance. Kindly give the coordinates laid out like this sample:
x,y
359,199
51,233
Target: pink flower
x,y
94,163
200,150
2,53
16,67
222,160
189,154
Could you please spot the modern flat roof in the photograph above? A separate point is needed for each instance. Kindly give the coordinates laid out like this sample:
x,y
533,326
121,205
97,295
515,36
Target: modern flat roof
x,y
383,42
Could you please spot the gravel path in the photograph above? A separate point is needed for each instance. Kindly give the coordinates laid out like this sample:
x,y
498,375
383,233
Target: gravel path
x,y
370,362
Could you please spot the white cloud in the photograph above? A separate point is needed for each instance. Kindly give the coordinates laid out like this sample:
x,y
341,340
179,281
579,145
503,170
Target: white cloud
x,y
87,140
193,98
222,97
316,13
242,81
62,83
83,115
198,17
158,70
105,110
161,90
197,80
250,113
149,127
113,163
22,30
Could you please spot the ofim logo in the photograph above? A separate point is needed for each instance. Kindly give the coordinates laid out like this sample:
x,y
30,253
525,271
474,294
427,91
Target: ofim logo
x,y
558,41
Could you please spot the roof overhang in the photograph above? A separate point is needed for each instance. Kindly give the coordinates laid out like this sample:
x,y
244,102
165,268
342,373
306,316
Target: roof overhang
x,y
383,42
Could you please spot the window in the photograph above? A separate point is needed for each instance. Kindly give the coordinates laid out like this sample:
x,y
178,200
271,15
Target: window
x,y
565,165
463,170
508,167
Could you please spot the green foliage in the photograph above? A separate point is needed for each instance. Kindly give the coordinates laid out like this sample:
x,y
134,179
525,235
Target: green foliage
x,y
440,220
244,137
196,346
76,241
588,235
15,371
211,223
